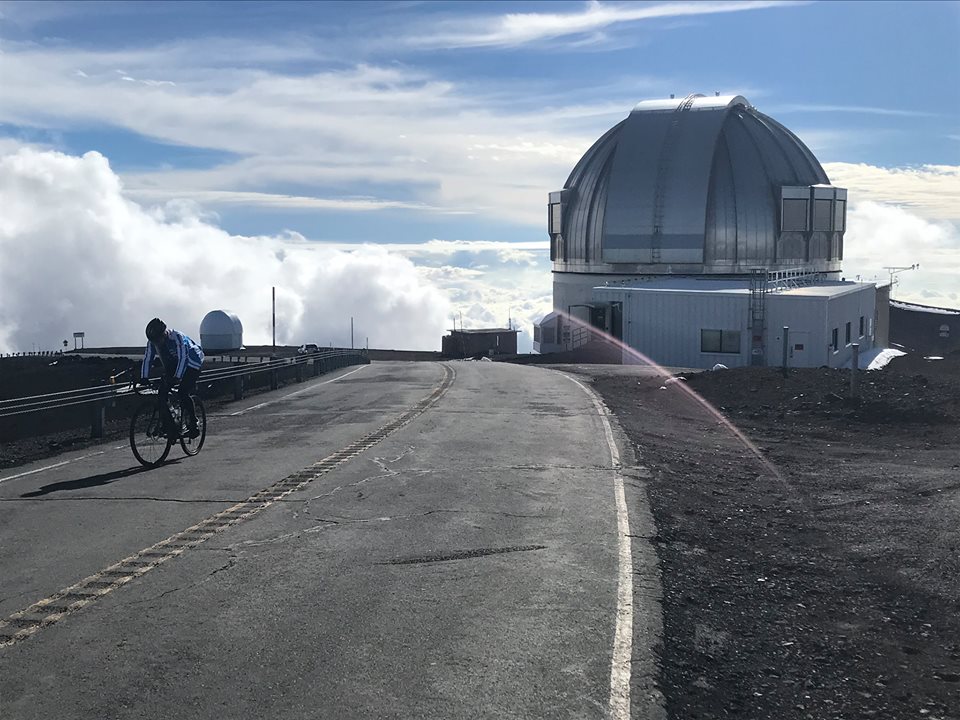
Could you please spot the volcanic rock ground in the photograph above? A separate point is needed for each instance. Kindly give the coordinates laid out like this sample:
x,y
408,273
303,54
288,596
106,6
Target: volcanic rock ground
x,y
826,584
811,565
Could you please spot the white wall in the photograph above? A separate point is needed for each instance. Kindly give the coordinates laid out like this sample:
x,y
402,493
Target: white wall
x,y
811,321
807,319
665,326
849,308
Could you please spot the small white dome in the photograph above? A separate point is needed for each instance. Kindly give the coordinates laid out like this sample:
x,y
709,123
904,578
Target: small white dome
x,y
221,330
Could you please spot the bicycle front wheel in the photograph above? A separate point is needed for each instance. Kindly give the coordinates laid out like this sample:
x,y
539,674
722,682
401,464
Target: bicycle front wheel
x,y
191,446
147,440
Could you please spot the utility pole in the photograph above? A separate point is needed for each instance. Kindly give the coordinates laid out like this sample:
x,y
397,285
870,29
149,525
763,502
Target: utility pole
x,y
274,295
351,332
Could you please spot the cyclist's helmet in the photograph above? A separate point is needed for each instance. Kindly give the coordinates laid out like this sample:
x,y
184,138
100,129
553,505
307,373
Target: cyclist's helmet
x,y
155,329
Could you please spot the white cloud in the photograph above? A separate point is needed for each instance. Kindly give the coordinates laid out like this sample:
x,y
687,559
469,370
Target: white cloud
x,y
932,191
880,236
75,254
515,29
375,130
852,109
277,200
489,283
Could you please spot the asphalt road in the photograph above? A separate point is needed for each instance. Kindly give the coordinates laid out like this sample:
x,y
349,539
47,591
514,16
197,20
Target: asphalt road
x,y
474,562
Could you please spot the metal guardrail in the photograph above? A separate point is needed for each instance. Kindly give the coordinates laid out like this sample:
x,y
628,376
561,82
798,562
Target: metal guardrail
x,y
322,361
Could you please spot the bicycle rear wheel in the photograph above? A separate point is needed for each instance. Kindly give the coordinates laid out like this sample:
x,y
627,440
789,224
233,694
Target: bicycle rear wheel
x,y
191,446
147,440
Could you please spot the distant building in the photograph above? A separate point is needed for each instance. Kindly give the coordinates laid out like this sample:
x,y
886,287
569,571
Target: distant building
x,y
693,231
924,329
473,343
220,331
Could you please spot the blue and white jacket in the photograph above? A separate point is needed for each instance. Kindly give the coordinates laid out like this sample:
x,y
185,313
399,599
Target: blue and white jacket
x,y
177,353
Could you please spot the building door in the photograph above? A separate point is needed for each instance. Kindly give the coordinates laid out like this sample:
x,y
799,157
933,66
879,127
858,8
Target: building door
x,y
616,320
799,351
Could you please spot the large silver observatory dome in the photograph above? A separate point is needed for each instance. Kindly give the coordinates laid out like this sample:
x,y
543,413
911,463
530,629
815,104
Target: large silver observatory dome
x,y
696,186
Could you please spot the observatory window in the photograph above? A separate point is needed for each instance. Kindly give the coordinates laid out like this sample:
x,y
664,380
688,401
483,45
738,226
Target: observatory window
x,y
861,326
822,215
720,341
835,340
847,335
794,216
840,215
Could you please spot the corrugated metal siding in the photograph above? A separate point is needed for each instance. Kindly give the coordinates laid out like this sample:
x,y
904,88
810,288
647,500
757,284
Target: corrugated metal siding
x,y
595,225
754,218
665,326
720,196
687,185
777,151
809,170
720,245
630,194
588,181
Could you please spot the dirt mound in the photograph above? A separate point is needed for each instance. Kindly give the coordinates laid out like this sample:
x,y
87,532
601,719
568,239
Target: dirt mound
x,y
829,588
888,396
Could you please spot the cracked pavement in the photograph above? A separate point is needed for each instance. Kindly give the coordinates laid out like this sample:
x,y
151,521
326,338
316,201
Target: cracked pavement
x,y
466,566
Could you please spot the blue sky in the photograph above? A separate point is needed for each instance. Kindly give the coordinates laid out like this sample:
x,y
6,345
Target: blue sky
x,y
405,123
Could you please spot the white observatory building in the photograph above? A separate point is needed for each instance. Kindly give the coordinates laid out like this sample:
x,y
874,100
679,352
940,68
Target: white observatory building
x,y
695,230
220,331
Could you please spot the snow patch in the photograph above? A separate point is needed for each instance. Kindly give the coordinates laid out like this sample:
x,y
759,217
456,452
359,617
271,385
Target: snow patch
x,y
876,358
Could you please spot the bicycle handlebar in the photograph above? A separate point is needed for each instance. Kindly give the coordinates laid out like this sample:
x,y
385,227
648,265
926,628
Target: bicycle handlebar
x,y
150,386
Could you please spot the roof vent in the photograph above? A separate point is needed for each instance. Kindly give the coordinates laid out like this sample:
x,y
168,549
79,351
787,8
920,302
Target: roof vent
x,y
671,96
716,93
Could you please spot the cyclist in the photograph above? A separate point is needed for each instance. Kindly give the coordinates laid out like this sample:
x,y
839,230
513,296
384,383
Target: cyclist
x,y
181,358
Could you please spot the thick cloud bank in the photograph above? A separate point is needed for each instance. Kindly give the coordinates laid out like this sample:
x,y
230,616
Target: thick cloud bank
x,y
75,254
880,235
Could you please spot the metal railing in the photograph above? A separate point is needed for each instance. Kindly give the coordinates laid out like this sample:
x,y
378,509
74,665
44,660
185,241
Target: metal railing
x,y
322,361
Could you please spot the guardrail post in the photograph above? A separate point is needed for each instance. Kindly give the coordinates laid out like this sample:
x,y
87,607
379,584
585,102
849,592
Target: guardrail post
x,y
316,366
238,387
99,419
299,372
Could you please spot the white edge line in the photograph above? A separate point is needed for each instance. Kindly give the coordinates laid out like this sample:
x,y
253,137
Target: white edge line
x,y
50,467
284,397
620,666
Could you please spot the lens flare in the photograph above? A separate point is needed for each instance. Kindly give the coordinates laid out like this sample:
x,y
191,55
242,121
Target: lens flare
x,y
632,356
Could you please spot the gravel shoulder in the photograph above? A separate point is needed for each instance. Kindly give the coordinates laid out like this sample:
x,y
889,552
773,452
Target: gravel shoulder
x,y
810,568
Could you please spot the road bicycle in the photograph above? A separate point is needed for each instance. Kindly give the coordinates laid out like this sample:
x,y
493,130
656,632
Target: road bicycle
x,y
148,440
